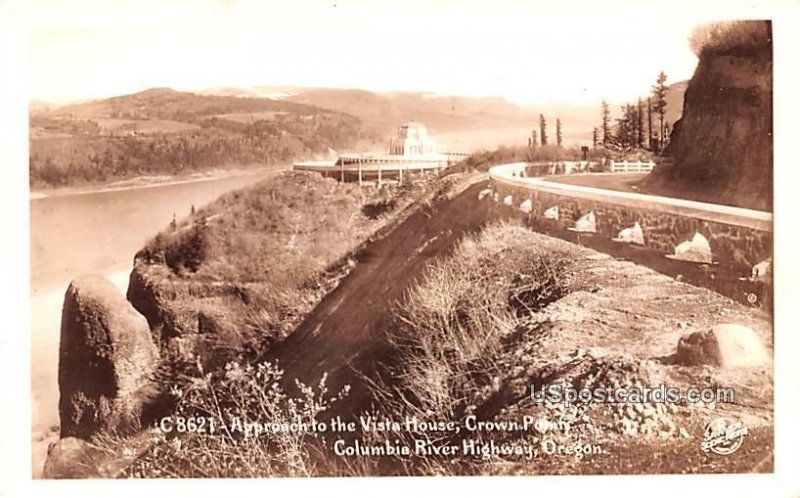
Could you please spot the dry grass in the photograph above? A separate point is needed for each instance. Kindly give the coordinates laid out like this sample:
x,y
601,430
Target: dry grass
x,y
731,37
452,326
257,260
250,394
453,331
483,160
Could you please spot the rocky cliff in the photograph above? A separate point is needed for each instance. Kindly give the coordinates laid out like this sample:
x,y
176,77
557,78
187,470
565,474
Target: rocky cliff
x,y
721,148
106,360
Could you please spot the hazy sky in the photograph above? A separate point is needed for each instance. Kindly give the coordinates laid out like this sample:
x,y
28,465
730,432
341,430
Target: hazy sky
x,y
519,50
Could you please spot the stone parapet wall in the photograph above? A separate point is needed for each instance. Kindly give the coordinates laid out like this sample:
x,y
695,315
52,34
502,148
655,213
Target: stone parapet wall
x,y
739,238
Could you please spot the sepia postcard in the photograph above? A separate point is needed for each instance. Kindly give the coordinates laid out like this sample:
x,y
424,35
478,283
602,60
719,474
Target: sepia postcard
x,y
275,239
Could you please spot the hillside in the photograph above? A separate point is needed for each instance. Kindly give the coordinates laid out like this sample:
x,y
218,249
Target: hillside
x,y
165,132
675,94
448,114
383,111
165,103
466,319
721,149
251,264
579,120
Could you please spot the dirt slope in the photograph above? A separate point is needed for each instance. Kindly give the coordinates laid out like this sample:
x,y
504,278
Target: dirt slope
x,y
346,332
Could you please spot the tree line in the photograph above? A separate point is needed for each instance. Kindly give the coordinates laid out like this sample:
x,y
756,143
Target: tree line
x,y
541,138
636,128
94,158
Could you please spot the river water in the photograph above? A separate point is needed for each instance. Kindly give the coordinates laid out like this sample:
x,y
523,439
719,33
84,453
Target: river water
x,y
94,232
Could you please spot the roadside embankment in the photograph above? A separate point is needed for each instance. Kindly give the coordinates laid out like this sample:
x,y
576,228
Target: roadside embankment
x,y
737,239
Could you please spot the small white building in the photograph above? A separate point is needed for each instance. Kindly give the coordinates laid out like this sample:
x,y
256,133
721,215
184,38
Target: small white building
x,y
410,151
412,140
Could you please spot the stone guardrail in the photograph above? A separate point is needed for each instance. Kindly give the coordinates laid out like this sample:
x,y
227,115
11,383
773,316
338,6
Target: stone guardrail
x,y
632,166
732,236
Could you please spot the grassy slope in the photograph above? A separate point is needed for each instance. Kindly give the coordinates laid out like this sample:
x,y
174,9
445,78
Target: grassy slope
x,y
508,309
468,346
255,261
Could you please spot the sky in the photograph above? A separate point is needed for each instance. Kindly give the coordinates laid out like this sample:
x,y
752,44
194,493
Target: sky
x,y
528,52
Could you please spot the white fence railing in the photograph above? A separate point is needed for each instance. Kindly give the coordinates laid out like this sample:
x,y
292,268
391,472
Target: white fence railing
x,y
632,166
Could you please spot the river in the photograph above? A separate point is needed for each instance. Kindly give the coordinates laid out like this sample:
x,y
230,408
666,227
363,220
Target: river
x,y
94,231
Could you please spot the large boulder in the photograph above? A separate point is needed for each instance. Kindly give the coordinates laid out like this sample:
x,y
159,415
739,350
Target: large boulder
x,y
107,359
71,458
725,345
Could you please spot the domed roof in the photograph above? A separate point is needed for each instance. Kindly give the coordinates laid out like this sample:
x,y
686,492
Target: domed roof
x,y
413,130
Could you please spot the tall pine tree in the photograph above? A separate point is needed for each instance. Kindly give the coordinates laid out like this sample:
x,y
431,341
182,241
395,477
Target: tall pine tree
x,y
558,132
649,124
606,127
542,130
660,106
626,127
639,124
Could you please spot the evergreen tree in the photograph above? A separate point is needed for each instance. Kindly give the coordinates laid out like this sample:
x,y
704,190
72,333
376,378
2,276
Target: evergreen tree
x,y
542,129
659,92
649,124
594,137
626,127
558,132
639,124
606,123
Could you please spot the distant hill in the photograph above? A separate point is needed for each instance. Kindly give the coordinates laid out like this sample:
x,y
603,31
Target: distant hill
x,y
39,106
385,111
165,103
579,120
165,132
675,93
448,114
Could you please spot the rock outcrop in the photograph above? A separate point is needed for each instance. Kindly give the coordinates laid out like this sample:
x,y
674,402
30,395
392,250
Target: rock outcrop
x,y
725,345
107,360
721,147
71,458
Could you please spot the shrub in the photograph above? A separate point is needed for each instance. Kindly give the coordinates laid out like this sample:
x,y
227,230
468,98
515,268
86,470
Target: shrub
x,y
239,396
484,160
187,249
375,210
731,37
452,325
